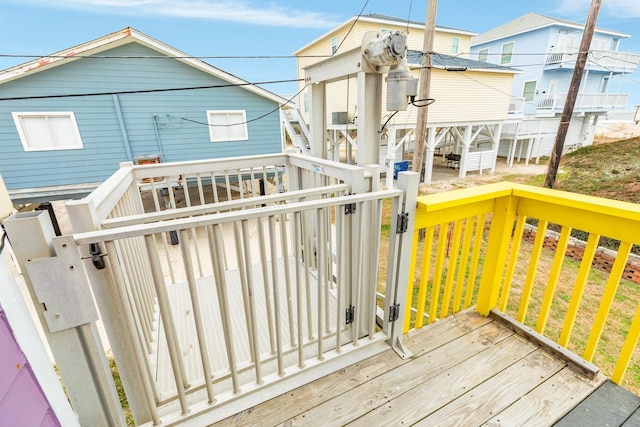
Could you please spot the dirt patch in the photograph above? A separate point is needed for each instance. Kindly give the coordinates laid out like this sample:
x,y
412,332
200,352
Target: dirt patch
x,y
518,172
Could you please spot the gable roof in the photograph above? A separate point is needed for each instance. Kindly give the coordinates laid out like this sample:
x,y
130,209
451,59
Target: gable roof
x,y
456,63
384,20
120,38
530,22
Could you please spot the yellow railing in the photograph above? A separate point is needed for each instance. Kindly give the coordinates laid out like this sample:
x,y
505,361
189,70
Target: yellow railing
x,y
504,246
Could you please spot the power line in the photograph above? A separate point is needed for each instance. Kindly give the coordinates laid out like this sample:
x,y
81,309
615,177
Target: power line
x,y
128,92
353,24
289,101
9,55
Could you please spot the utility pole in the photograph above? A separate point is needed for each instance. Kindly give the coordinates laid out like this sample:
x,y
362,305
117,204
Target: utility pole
x,y
425,85
565,120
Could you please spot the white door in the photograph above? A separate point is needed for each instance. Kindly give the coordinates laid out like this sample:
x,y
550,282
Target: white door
x,y
565,41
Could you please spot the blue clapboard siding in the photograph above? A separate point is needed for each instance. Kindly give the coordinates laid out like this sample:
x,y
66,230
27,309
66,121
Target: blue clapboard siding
x,y
100,131
529,56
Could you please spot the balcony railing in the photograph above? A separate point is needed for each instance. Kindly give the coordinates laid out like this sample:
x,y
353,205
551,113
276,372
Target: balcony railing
x,y
516,106
221,280
598,60
470,248
585,102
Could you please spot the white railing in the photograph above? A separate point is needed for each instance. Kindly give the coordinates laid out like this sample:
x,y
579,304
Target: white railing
x,y
585,101
602,60
516,106
271,272
297,129
613,61
562,54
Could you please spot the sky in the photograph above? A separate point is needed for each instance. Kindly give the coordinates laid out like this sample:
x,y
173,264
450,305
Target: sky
x,y
268,28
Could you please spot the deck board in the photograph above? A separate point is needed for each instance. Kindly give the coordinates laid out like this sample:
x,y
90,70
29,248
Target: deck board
x,y
465,370
391,385
608,405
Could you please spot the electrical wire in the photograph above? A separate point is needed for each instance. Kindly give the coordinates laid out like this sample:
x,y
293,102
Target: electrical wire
x,y
421,103
289,101
353,24
409,15
130,92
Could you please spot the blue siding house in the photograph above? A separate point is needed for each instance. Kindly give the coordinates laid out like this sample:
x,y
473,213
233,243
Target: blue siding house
x,y
545,49
68,120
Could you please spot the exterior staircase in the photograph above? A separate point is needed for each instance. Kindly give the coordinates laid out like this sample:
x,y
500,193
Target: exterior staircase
x,y
297,129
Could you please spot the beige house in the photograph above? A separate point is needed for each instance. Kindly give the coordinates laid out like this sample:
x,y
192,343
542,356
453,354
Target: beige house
x,y
471,98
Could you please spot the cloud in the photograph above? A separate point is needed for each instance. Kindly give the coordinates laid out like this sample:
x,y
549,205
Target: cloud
x,y
621,9
240,11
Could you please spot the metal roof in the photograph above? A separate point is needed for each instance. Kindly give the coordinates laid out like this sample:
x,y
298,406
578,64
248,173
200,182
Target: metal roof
x,y
456,63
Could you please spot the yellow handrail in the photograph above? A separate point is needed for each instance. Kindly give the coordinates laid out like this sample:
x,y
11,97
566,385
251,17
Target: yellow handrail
x,y
468,245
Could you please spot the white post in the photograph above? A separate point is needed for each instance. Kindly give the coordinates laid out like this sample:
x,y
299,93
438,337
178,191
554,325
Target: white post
x,y
123,343
369,117
466,142
77,349
398,265
431,148
318,123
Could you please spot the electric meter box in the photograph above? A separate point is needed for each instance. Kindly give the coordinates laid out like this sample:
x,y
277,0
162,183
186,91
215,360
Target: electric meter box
x,y
6,207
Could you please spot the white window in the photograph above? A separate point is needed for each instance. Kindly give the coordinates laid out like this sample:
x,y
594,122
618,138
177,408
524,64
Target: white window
x,y
305,102
598,44
48,131
334,44
483,55
227,125
529,91
455,45
507,53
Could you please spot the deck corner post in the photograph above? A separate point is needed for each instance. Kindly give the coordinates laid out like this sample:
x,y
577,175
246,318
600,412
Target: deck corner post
x,y
82,216
504,214
400,258
76,347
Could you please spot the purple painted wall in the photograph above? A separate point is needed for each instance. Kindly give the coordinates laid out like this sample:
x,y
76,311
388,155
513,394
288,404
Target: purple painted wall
x,y
22,402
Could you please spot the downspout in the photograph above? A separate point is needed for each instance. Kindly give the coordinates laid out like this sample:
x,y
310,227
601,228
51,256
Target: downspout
x,y
123,129
155,127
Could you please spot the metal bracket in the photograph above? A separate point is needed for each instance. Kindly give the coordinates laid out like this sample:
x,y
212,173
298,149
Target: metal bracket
x,y
350,314
61,285
349,208
96,256
394,312
403,223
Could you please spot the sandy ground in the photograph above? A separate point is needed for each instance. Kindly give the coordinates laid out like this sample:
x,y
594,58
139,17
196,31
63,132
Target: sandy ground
x,y
518,173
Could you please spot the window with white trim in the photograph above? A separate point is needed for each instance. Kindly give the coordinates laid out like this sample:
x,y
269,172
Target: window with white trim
x,y
455,45
334,44
227,125
41,131
507,53
529,90
483,55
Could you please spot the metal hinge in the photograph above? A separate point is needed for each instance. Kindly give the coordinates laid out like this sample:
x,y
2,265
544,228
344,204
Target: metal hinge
x,y
96,256
349,208
350,314
403,222
394,312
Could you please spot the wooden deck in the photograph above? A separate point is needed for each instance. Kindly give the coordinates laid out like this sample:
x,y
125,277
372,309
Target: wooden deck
x,y
465,370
